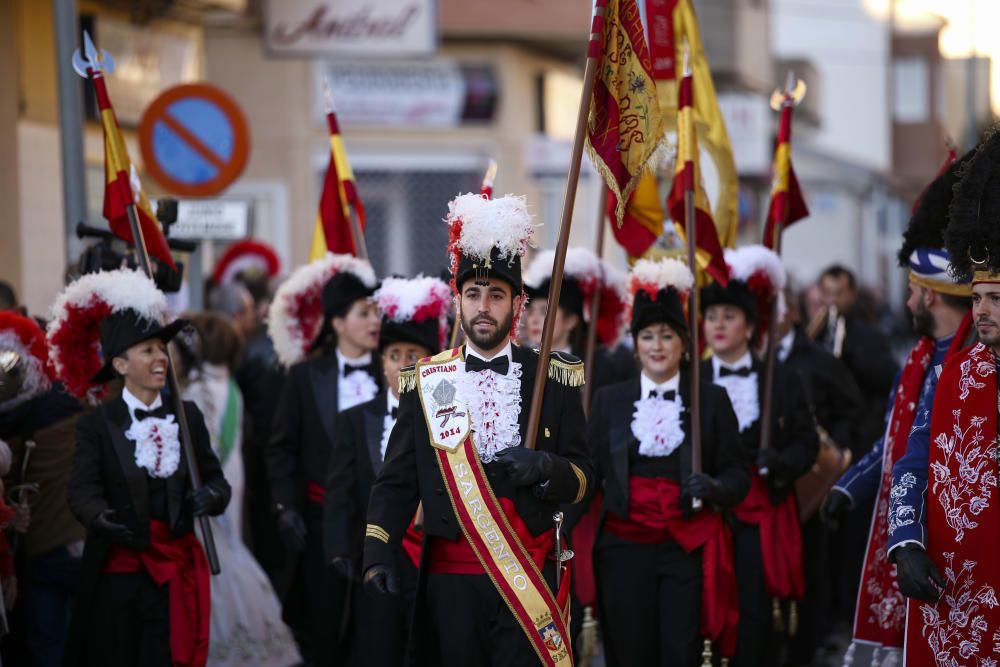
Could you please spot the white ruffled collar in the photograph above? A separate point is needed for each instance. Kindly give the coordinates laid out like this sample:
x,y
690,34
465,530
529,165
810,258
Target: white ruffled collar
x,y
157,445
355,389
494,406
656,423
646,385
388,422
743,391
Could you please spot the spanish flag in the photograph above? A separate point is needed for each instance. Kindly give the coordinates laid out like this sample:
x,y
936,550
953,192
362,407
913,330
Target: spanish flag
x,y
687,179
121,182
672,24
787,205
625,124
332,232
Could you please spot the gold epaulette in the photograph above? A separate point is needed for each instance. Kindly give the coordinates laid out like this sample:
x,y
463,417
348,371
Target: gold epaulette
x,y
407,379
566,369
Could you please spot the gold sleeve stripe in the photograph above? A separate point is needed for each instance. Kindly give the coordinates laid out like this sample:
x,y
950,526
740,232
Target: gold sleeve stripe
x,y
571,375
407,380
582,479
377,532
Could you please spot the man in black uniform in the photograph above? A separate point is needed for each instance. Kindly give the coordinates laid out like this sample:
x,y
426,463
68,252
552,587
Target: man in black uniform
x,y
143,596
340,373
486,594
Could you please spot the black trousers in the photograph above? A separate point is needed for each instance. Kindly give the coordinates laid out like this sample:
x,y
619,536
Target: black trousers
x,y
757,643
472,625
650,603
134,626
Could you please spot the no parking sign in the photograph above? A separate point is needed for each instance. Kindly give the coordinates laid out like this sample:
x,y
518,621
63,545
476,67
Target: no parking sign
x,y
194,140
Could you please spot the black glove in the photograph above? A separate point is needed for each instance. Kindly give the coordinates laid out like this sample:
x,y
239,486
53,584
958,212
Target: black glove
x,y
382,580
343,566
525,466
777,472
206,500
917,574
833,508
292,529
111,530
702,485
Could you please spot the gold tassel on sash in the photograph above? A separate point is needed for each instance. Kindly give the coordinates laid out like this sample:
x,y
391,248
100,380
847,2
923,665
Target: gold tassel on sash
x,y
706,654
588,638
793,618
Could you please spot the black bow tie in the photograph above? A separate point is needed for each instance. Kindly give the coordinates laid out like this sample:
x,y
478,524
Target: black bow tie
x,y
741,372
667,395
349,368
393,412
159,413
499,365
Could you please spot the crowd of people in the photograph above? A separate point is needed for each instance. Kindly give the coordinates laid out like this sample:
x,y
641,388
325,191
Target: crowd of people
x,y
380,479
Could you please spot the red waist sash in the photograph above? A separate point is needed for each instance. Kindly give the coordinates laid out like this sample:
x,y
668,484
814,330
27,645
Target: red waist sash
x,y
654,516
413,541
181,563
457,556
315,493
780,539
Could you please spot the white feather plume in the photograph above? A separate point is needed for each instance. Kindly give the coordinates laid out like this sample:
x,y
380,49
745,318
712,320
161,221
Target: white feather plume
x,y
746,261
121,289
661,274
290,342
503,223
400,298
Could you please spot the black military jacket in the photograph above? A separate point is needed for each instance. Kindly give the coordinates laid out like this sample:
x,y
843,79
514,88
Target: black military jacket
x,y
410,473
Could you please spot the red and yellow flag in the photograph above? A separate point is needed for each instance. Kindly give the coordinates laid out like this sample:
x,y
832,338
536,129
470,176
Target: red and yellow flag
x,y
787,205
687,179
121,182
332,232
625,125
672,23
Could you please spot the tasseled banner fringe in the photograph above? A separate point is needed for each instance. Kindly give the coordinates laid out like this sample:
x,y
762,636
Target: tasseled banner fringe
x,y
407,381
571,375
706,654
793,618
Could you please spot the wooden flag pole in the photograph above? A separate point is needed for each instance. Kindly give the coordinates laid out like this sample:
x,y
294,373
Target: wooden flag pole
x,y
691,230
559,263
590,351
771,353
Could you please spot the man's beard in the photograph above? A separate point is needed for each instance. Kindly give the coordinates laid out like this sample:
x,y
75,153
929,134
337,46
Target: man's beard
x,y
923,321
491,341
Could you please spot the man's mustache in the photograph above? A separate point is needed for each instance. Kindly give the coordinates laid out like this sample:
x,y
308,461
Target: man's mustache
x,y
484,318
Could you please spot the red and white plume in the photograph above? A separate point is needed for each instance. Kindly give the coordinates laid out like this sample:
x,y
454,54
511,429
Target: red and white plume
x,y
248,255
651,277
296,314
22,336
73,334
761,269
592,273
416,300
477,225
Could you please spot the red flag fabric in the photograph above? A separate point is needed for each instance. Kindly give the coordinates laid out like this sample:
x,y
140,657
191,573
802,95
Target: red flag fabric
x,y
121,182
787,205
687,179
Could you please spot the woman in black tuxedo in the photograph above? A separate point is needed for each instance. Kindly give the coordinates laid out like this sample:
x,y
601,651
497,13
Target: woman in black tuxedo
x,y
656,556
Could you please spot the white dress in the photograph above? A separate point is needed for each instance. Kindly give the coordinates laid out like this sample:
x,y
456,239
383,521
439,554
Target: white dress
x,y
246,626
